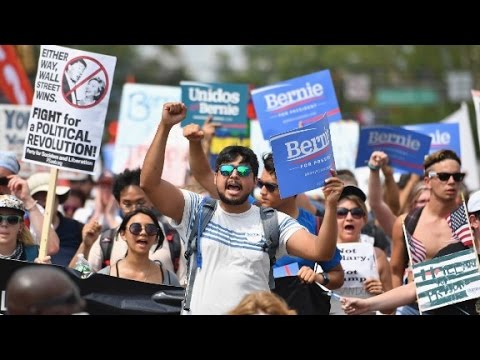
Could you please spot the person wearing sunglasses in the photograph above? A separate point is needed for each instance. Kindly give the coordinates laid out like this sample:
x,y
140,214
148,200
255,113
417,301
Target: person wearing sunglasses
x,y
43,290
129,195
16,241
231,258
140,230
332,275
406,294
351,218
11,183
428,224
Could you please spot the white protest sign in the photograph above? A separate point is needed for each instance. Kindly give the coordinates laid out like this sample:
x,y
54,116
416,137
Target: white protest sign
x,y
140,113
72,89
13,130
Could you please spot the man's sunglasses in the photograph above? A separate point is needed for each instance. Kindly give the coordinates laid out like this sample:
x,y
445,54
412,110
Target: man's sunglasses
x,y
10,219
269,186
150,229
444,176
357,213
242,170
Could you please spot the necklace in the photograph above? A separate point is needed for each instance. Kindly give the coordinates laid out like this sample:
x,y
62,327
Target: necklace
x,y
147,273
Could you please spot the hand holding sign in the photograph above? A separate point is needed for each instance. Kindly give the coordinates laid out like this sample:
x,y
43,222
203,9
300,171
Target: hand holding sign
x,y
332,189
173,113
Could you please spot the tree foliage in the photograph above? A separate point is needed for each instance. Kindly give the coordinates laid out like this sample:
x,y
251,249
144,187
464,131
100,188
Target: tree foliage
x,y
399,66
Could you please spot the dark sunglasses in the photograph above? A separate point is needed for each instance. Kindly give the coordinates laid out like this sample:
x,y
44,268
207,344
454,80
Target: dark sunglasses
x,y
242,170
150,229
357,213
269,186
10,219
444,176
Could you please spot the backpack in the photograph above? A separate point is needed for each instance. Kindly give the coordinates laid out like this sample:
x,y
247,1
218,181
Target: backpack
x,y
208,205
171,235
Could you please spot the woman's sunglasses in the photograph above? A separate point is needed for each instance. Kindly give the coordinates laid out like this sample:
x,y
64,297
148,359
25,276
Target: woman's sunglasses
x,y
444,176
150,229
242,170
357,213
269,186
11,219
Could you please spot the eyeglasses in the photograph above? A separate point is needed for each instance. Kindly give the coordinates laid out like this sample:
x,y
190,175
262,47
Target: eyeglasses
x,y
242,170
444,176
357,213
10,219
269,186
150,229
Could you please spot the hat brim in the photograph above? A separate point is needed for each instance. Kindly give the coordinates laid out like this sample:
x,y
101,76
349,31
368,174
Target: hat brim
x,y
353,190
60,191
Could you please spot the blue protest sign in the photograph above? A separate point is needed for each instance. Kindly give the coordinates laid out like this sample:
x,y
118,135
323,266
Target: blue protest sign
x,y
227,103
444,135
405,148
303,158
295,103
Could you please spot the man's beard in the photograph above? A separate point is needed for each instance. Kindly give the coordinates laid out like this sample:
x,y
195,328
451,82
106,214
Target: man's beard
x,y
238,201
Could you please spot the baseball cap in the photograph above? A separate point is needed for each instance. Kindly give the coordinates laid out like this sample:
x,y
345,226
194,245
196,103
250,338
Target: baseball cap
x,y
8,160
11,202
39,182
353,190
474,202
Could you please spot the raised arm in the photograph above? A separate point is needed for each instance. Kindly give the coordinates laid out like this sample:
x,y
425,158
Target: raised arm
x,y
321,247
382,211
391,193
19,188
198,157
397,260
166,197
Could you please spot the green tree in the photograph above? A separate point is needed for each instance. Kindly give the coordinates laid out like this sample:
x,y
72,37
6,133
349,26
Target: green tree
x,y
399,66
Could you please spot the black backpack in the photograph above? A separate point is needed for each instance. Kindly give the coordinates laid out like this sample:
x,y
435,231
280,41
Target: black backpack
x,y
170,234
208,205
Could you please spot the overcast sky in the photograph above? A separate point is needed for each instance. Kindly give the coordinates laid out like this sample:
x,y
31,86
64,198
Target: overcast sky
x,y
201,59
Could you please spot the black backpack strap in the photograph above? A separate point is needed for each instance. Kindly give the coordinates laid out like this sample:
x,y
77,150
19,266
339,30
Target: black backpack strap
x,y
204,214
272,234
173,238
411,221
106,244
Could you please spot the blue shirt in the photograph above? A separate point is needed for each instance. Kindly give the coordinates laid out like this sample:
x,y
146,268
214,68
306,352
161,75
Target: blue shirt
x,y
308,220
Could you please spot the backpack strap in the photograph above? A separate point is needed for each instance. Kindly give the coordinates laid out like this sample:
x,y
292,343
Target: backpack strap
x,y
272,235
206,209
411,221
173,238
106,244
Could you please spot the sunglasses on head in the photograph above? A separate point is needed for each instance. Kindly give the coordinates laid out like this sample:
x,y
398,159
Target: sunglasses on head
x,y
242,170
357,213
269,186
10,219
150,229
444,176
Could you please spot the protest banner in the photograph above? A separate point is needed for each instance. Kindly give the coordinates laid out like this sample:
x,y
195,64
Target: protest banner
x,y
444,136
105,294
72,90
140,113
295,103
303,158
406,149
226,103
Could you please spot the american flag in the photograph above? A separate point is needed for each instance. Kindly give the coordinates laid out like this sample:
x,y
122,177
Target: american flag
x,y
417,250
458,222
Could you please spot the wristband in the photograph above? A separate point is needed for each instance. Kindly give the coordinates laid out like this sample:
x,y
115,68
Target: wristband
x,y
31,207
373,167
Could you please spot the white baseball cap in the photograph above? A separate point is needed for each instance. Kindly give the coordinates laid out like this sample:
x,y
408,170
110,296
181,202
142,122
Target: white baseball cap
x,y
473,204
